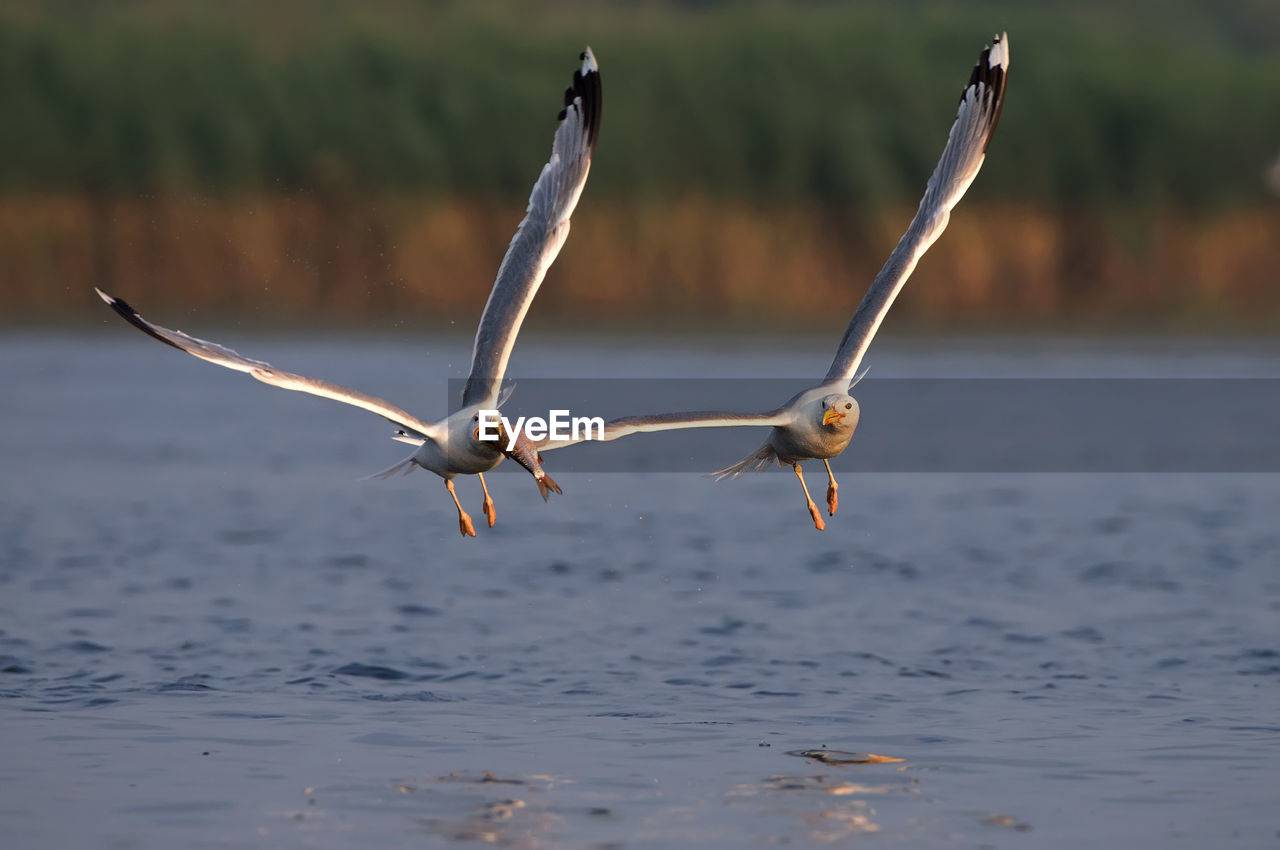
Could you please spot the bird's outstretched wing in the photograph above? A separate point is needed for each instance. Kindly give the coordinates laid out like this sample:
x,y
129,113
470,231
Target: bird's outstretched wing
x,y
677,421
980,105
540,235
266,373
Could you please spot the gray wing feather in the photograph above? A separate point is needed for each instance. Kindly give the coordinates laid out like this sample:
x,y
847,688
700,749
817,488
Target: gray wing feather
x,y
266,373
540,235
679,421
979,112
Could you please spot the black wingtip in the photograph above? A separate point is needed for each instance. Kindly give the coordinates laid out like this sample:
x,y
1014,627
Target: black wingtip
x,y
991,76
131,316
587,90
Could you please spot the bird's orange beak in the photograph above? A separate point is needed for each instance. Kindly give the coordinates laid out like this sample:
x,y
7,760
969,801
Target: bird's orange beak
x,y
832,415
502,435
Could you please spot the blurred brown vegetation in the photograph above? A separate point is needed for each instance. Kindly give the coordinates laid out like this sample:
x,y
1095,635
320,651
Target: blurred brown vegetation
x,y
284,258
350,161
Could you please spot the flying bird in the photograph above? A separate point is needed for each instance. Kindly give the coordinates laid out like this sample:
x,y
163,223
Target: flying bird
x,y
818,423
452,446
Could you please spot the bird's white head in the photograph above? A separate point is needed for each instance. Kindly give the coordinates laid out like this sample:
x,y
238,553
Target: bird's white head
x,y
492,442
839,412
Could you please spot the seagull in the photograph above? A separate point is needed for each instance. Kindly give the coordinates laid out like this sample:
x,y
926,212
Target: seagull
x,y
818,423
452,446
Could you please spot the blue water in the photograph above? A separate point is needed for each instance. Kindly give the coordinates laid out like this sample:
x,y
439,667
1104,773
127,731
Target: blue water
x,y
213,634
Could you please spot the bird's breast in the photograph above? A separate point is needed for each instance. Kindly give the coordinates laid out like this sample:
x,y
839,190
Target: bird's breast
x,y
459,457
794,443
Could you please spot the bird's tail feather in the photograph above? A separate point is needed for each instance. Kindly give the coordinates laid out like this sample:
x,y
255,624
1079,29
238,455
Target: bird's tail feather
x,y
758,461
407,465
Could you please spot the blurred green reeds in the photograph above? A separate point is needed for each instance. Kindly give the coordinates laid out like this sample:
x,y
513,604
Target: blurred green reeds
x,y
357,159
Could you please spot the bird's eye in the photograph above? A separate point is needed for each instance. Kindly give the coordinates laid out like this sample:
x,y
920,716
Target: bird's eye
x,y
848,405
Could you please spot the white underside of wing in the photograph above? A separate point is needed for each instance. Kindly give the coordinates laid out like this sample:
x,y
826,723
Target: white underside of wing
x,y
539,237
678,422
962,158
220,355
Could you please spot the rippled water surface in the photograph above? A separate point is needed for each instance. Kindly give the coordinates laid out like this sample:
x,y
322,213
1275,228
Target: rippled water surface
x,y
213,634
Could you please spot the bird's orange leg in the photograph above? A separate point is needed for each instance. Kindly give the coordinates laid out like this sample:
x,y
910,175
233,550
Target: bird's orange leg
x,y
464,521
833,500
489,513
813,509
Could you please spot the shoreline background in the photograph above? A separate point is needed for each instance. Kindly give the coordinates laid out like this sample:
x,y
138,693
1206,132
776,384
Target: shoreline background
x,y
351,163
432,262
